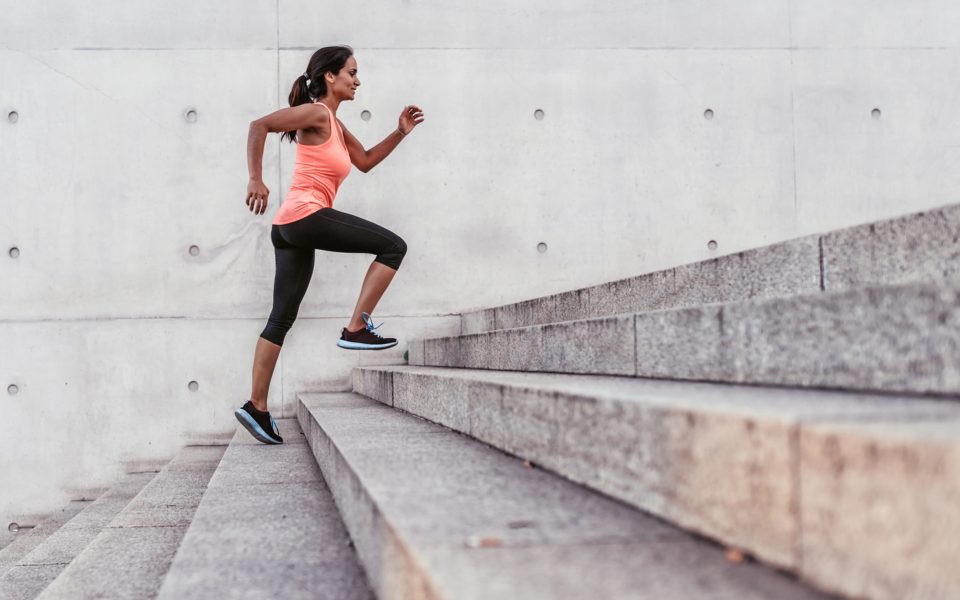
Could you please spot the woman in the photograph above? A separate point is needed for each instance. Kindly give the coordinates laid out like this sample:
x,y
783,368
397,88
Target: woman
x,y
307,222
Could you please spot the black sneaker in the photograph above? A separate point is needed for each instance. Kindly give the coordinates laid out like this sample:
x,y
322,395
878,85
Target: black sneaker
x,y
365,339
260,424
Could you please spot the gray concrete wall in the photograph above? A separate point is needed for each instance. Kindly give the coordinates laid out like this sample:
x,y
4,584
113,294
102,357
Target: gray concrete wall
x,y
106,317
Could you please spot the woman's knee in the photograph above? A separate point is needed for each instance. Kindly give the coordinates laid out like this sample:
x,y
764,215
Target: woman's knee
x,y
394,256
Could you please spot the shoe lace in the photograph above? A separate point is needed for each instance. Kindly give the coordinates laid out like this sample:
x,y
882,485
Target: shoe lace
x,y
368,321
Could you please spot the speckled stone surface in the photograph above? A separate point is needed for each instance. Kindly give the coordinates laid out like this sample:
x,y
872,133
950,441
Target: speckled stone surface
x,y
782,269
917,247
437,515
267,527
26,540
130,556
716,459
62,546
881,508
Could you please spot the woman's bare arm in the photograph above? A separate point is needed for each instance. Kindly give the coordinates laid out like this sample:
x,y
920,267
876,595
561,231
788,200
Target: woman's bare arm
x,y
304,116
365,159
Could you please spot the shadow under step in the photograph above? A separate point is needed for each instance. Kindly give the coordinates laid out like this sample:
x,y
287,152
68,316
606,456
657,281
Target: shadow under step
x,y
267,527
917,247
832,486
437,515
130,556
897,338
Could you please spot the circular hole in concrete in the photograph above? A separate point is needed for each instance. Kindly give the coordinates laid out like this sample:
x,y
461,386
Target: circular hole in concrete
x,y
13,528
365,115
14,252
541,247
193,386
712,245
13,390
708,114
190,115
13,116
538,114
194,250
876,113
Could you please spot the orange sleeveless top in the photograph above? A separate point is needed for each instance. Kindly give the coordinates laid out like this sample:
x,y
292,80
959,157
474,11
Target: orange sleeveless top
x,y
318,171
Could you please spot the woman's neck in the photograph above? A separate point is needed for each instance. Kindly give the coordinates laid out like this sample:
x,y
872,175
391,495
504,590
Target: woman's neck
x,y
331,102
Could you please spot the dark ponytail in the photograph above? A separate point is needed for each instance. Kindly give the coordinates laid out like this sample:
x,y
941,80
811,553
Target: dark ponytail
x,y
311,85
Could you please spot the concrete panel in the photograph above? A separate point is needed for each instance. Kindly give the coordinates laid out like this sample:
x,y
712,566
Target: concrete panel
x,y
92,394
866,24
862,526
110,185
593,185
176,24
853,168
561,24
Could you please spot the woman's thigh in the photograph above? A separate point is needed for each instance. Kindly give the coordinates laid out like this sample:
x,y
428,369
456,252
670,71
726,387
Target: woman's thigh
x,y
335,231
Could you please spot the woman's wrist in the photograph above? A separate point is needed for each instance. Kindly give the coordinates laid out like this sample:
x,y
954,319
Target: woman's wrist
x,y
402,134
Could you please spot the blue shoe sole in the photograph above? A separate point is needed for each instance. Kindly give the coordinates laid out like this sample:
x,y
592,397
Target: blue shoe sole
x,y
253,427
359,346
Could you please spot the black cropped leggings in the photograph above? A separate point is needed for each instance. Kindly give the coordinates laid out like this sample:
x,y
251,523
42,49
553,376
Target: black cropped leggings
x,y
295,244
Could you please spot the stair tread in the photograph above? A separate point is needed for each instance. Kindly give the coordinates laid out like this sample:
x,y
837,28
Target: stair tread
x,y
130,555
266,527
479,524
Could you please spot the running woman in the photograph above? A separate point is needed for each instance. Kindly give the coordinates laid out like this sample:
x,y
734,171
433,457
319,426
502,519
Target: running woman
x,y
307,221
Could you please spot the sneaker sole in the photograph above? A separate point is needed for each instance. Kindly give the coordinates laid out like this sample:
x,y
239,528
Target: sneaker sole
x,y
359,346
253,427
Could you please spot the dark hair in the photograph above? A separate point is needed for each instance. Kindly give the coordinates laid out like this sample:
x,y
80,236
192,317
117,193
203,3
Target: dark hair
x,y
325,60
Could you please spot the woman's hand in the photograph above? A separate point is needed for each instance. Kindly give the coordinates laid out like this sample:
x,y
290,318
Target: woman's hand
x,y
410,117
257,194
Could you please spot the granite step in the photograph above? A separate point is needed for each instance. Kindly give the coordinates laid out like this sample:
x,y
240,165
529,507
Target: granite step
x,y
922,247
266,527
130,556
35,570
28,539
856,493
435,514
894,338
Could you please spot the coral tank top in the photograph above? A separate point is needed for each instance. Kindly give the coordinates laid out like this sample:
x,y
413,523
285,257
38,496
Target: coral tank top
x,y
318,171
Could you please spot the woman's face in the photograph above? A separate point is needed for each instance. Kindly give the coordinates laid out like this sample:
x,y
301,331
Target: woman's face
x,y
345,83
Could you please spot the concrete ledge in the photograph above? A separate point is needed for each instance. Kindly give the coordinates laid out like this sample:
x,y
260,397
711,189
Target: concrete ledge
x,y
897,338
814,482
917,247
437,515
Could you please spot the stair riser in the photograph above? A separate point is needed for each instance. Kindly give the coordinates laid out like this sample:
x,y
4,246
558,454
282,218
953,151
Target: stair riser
x,y
916,247
894,339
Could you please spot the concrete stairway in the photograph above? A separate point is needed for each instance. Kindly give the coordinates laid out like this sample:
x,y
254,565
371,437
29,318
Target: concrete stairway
x,y
847,473
437,515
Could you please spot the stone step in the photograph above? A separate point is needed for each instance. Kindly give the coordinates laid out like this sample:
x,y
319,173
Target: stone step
x,y
918,247
26,540
267,527
895,338
41,565
435,514
132,553
858,494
